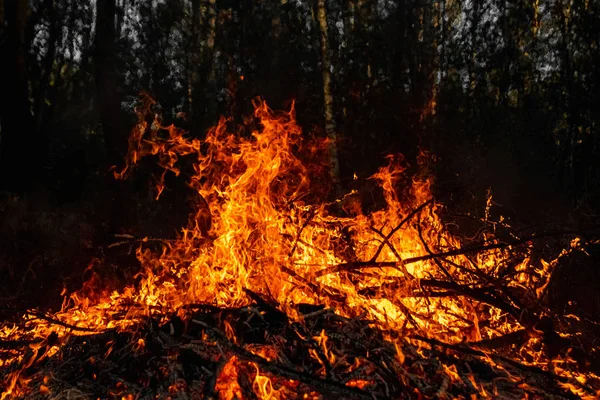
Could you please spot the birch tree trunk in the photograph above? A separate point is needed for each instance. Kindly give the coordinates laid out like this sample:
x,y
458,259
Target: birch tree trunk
x,y
330,128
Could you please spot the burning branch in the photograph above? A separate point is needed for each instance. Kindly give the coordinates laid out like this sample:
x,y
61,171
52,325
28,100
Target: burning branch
x,y
265,294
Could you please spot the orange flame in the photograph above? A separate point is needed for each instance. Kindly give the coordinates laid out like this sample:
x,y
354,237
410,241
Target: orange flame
x,y
259,226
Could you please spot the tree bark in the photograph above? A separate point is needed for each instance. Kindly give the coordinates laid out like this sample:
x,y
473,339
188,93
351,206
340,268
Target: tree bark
x,y
41,109
274,92
210,39
193,57
112,118
475,19
206,28
330,128
567,145
107,96
19,148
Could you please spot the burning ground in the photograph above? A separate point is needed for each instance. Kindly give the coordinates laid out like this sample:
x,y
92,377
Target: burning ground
x,y
272,290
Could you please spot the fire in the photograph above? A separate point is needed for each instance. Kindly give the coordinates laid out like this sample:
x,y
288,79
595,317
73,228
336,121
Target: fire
x,y
262,226
266,238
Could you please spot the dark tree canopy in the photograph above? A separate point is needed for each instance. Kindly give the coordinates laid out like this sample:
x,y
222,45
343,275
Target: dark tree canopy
x,y
504,93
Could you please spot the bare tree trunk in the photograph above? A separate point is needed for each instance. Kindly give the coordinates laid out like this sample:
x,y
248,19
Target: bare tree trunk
x,y
210,39
206,24
330,128
566,160
429,60
472,62
443,40
112,118
193,56
107,96
18,146
274,93
41,108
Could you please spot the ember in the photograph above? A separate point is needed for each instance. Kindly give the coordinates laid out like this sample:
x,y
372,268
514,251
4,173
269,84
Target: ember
x,y
273,292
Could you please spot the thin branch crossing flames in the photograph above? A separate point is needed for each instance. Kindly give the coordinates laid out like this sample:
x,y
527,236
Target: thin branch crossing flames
x,y
271,291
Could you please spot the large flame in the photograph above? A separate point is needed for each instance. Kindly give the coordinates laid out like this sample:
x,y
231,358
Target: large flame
x,y
259,227
261,234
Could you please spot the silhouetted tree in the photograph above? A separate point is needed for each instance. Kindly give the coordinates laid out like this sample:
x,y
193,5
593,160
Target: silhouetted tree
x,y
18,147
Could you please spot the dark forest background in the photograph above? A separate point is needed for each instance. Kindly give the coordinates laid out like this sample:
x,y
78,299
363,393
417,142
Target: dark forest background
x,y
504,94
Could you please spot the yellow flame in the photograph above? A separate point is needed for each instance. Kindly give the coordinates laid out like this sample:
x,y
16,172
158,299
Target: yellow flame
x,y
262,224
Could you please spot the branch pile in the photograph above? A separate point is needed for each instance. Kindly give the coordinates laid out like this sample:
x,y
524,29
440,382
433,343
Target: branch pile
x,y
270,350
258,351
